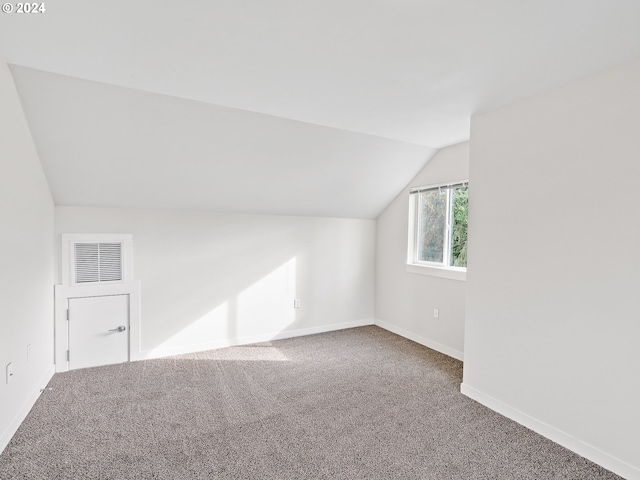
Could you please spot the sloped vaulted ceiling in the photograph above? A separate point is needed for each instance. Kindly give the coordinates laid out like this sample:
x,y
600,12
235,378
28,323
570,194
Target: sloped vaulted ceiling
x,y
103,145
312,108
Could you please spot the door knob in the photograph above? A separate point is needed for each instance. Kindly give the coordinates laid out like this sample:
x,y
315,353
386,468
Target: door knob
x,y
121,328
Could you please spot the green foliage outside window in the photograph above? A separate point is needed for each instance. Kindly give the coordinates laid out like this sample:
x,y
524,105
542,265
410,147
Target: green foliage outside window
x,y
435,238
459,227
432,224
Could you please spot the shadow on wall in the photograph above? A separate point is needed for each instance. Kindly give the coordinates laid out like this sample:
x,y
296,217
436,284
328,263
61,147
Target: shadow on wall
x,y
260,309
235,282
206,283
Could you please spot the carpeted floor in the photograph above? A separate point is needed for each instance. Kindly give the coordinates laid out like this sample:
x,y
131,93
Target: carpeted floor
x,y
354,404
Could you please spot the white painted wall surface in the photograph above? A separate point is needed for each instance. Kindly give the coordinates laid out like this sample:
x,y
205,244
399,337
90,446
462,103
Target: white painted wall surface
x,y
209,279
26,257
552,319
405,301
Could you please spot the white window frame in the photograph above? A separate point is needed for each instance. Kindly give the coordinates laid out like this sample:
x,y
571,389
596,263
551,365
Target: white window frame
x,y
431,268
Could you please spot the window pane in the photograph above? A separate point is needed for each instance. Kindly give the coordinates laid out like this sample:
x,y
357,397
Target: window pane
x,y
432,219
460,216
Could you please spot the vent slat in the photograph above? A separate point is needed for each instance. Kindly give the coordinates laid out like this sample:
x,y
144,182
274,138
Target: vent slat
x,y
98,262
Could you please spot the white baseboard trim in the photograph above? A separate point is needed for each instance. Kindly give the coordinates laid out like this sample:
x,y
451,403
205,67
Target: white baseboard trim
x,y
24,411
574,444
438,347
232,342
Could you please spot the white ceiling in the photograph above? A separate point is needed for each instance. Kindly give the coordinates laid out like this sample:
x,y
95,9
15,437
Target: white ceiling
x,y
393,75
106,145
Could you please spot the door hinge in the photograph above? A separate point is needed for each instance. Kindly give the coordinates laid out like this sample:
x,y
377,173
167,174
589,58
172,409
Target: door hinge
x,y
67,314
67,355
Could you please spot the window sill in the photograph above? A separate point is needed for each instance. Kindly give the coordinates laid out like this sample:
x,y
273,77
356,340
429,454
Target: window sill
x,y
442,272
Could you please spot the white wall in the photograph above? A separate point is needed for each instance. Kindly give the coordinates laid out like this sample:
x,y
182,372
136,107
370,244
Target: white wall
x,y
552,319
210,279
405,301
26,256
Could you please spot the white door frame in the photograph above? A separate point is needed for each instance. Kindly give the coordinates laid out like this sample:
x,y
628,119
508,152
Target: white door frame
x,y
62,295
68,290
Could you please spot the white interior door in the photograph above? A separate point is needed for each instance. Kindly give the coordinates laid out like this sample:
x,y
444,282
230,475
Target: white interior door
x,y
98,331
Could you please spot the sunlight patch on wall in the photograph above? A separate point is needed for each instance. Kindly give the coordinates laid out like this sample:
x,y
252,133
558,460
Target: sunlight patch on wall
x,y
211,326
253,315
267,305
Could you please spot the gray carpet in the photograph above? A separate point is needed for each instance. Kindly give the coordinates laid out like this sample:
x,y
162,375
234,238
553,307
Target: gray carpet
x,y
355,404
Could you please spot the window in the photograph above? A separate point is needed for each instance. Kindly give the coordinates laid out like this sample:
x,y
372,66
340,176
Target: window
x,y
438,227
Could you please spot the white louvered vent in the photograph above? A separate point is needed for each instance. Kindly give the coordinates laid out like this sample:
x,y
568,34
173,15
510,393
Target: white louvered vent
x,y
98,262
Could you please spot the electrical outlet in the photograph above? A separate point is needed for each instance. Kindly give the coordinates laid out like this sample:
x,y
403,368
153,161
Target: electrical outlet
x,y
9,372
296,303
436,313
28,352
